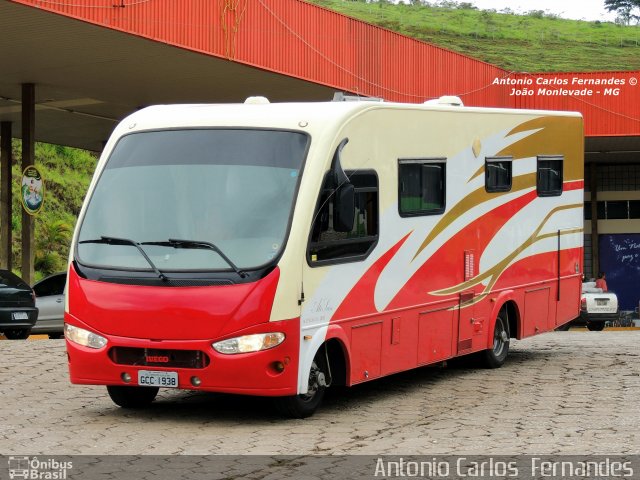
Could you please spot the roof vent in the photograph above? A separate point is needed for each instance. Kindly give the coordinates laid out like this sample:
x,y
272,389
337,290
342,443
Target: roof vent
x,y
341,97
446,100
256,101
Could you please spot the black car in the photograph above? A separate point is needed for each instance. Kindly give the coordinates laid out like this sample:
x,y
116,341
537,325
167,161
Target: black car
x,y
18,312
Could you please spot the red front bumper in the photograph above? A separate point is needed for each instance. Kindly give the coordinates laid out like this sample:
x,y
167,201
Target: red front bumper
x,y
248,373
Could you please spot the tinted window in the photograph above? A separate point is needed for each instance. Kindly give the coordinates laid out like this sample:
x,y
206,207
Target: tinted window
x,y
617,210
614,210
549,176
51,286
421,186
327,245
601,210
497,174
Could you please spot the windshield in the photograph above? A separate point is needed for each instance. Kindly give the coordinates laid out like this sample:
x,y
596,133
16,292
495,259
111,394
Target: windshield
x,y
232,188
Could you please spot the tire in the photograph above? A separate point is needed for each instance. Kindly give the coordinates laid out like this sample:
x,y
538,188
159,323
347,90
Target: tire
x,y
595,327
55,336
17,334
495,356
564,328
132,397
305,405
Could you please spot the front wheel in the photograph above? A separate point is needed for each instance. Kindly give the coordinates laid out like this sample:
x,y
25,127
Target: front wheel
x,y
595,327
132,397
495,356
17,334
304,405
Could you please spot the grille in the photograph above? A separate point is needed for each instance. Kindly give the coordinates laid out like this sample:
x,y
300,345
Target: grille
x,y
154,357
173,282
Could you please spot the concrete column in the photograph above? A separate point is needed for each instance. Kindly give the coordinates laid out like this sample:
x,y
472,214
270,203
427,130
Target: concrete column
x,y
595,250
5,195
28,158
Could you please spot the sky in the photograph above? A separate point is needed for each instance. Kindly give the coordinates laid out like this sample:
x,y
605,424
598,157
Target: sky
x,y
575,9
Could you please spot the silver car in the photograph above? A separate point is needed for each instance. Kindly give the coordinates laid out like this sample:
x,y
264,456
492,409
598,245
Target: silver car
x,y
50,293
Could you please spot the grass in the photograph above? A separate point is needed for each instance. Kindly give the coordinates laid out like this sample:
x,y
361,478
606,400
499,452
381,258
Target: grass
x,y
536,42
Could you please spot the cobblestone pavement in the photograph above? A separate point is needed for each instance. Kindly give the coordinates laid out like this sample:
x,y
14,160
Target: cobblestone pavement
x,y
559,393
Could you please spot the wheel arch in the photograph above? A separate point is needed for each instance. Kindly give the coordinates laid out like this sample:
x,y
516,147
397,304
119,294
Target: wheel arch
x,y
339,357
337,344
507,300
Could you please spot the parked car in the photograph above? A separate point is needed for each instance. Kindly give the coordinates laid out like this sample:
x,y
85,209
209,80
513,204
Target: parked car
x,y
50,303
596,308
18,312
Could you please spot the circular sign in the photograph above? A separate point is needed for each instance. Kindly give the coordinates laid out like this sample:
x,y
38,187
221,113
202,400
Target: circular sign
x,y
32,190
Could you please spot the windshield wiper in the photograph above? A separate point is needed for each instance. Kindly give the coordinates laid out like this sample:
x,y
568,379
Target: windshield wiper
x,y
125,241
177,243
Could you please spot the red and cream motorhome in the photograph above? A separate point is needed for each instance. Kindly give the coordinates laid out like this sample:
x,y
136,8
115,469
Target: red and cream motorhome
x,y
280,249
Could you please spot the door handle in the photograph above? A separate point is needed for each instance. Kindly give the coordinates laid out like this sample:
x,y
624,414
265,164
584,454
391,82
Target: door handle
x,y
58,300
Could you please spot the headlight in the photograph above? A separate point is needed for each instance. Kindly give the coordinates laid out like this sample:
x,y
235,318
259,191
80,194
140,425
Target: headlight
x,y
83,337
249,343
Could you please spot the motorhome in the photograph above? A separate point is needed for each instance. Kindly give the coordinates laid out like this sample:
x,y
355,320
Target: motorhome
x,y
280,249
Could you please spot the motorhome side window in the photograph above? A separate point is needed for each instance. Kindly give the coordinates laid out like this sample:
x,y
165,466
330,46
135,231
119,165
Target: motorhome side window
x,y
421,186
497,174
549,176
330,246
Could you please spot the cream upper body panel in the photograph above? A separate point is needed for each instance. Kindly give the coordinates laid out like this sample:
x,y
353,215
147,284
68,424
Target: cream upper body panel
x,y
378,137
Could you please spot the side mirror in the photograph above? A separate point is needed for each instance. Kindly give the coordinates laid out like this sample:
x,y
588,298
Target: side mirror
x,y
339,177
344,208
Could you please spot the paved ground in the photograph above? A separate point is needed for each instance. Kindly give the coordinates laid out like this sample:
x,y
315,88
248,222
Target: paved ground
x,y
559,393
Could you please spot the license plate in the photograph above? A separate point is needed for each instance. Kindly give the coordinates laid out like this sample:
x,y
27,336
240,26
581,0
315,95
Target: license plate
x,y
20,316
600,302
149,378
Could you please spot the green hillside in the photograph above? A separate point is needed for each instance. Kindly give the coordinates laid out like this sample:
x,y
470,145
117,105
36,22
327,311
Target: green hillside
x,y
67,173
534,42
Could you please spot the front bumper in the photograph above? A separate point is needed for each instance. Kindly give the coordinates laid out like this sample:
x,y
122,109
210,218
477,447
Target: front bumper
x,y
249,373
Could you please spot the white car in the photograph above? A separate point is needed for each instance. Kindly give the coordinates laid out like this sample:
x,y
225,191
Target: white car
x,y
596,308
50,293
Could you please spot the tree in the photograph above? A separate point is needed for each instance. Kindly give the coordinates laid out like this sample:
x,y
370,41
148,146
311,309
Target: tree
x,y
624,9
50,239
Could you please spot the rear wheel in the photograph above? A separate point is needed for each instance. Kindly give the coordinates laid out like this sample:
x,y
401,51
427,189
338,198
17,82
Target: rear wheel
x,y
564,328
132,397
17,334
304,405
495,356
595,327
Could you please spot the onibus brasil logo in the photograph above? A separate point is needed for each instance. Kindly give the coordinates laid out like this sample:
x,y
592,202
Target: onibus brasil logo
x,y
36,469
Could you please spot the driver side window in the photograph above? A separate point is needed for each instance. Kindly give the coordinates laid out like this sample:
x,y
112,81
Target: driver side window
x,y
327,246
